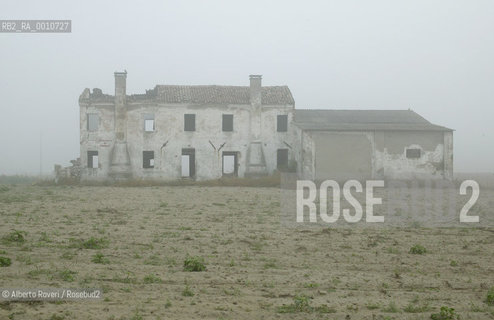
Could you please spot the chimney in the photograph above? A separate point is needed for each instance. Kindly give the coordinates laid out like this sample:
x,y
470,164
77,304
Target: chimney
x,y
120,108
255,89
120,84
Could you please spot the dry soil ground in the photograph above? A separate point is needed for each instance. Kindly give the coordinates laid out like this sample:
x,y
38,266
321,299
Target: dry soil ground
x,y
132,243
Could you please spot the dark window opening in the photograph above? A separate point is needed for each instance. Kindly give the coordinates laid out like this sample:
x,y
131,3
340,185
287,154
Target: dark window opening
x,y
188,163
230,163
92,122
189,122
92,159
282,123
282,159
413,153
148,159
228,122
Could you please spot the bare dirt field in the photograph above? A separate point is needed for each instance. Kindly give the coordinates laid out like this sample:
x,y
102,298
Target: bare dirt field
x,y
132,243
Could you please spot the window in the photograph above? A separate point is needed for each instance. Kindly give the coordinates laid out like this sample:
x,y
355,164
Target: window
x,y
413,153
148,159
92,122
189,122
149,122
230,164
92,159
228,122
282,123
188,163
282,158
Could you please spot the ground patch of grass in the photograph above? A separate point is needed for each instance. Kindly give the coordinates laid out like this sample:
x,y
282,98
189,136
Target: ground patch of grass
x,y
16,236
194,264
151,278
418,249
100,258
5,262
412,308
446,313
391,308
187,292
91,243
67,275
301,303
490,297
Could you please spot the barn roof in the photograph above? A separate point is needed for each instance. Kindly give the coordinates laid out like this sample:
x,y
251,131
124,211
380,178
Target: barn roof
x,y
363,120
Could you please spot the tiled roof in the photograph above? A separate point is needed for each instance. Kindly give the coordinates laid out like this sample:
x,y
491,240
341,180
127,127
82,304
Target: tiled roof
x,y
221,94
275,95
359,120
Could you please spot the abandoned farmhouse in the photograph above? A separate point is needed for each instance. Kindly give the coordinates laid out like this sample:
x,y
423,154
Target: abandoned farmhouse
x,y
207,132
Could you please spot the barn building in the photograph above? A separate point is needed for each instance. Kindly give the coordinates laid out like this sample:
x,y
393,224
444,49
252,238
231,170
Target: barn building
x,y
207,132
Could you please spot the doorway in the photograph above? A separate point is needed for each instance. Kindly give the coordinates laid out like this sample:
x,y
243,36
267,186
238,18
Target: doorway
x,y
230,163
188,163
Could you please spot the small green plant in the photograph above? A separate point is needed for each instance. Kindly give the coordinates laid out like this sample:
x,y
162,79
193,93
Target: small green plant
x,y
91,243
67,275
187,292
168,304
372,306
57,317
418,249
163,204
325,309
151,278
453,263
391,308
445,314
490,297
300,304
5,262
44,237
100,258
16,236
194,264
411,308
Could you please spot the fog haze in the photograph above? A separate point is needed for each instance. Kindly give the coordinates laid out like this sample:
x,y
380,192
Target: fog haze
x,y
434,57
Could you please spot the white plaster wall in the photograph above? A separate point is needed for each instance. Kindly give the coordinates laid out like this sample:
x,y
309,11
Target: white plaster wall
x,y
389,159
169,138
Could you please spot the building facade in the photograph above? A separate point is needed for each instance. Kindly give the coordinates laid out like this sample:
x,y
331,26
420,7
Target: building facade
x,y
207,132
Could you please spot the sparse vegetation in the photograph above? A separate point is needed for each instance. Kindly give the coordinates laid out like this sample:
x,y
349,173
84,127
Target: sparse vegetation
x,y
67,275
418,249
73,237
445,313
100,258
151,278
187,292
490,297
91,243
301,303
16,236
5,261
194,264
391,308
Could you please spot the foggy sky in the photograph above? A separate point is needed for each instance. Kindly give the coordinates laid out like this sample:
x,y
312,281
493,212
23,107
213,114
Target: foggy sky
x,y
435,57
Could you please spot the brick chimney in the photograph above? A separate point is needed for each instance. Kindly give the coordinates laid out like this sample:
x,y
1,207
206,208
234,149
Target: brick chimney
x,y
255,89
